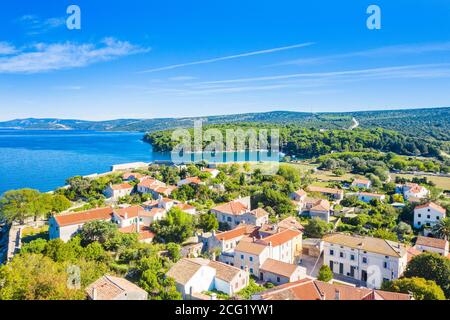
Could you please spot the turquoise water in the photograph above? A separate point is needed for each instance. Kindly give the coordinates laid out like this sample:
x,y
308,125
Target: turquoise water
x,y
43,160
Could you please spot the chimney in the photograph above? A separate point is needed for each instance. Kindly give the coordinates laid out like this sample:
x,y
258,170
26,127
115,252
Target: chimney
x,y
270,243
94,293
337,295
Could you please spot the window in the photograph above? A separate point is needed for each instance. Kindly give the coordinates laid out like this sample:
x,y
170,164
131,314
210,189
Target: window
x,y
341,254
364,260
419,223
242,267
428,210
242,257
229,219
428,216
385,265
331,252
251,258
437,218
251,270
419,215
352,257
278,279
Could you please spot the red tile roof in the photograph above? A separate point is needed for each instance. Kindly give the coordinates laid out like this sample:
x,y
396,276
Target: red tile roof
x,y
130,212
121,186
85,216
309,289
239,231
431,205
431,242
278,267
281,237
144,232
233,207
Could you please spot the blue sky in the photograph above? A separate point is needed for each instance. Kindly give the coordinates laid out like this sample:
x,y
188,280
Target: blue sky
x,y
150,58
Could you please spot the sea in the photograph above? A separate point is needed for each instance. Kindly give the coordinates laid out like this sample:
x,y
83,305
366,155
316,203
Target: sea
x,y
45,159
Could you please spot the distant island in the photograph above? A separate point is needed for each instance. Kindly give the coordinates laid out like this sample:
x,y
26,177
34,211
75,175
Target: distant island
x,y
421,123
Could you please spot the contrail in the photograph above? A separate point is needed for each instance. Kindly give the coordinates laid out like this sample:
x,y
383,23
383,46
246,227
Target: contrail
x,y
247,54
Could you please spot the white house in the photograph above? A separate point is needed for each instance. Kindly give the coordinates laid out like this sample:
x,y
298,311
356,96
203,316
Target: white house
x,y
283,246
428,215
115,288
368,196
369,260
65,226
129,220
361,183
149,186
118,191
197,275
427,244
319,208
278,272
412,191
299,195
239,211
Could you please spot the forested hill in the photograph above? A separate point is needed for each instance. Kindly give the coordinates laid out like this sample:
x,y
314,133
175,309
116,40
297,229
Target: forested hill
x,y
421,123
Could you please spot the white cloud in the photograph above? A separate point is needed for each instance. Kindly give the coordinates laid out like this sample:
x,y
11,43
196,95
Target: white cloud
x,y
44,57
7,48
182,78
395,50
35,25
236,56
417,71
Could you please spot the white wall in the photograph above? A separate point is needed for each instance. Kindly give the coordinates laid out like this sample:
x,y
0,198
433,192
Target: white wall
x,y
424,216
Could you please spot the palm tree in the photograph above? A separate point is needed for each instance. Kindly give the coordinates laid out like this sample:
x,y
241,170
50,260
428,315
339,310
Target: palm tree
x,y
442,229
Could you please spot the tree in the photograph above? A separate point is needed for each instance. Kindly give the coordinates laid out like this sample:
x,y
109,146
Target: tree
x,y
101,231
431,266
421,288
36,277
338,172
325,273
316,228
208,222
442,229
177,227
18,205
174,250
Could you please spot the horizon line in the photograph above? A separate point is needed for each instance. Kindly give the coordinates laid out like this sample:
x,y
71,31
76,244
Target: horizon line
x,y
230,114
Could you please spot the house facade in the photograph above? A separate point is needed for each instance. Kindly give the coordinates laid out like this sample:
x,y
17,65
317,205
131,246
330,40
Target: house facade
x,y
427,244
118,191
197,275
369,260
427,215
